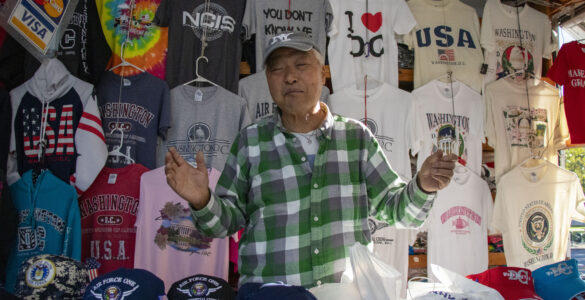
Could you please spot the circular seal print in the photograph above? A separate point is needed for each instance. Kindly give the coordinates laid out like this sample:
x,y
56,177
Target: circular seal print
x,y
371,124
112,293
40,274
514,58
537,228
199,289
198,132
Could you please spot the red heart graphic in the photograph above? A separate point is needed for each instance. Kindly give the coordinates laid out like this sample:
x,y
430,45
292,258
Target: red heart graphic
x,y
372,22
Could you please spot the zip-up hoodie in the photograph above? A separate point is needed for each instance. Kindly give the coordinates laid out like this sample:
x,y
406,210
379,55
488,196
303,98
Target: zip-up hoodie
x,y
61,109
49,221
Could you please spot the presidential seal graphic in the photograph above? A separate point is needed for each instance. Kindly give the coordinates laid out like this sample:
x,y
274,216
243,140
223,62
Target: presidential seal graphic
x,y
199,289
371,124
198,132
177,230
536,227
40,274
113,292
213,20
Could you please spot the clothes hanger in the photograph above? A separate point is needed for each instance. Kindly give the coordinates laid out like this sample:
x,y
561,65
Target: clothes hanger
x,y
127,40
116,150
124,62
199,78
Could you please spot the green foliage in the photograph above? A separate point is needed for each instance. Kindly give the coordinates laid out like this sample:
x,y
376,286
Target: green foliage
x,y
575,161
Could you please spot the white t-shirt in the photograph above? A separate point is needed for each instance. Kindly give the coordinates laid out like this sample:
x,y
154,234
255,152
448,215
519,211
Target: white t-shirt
x,y
167,243
463,134
533,211
390,115
508,129
458,225
445,38
501,39
362,41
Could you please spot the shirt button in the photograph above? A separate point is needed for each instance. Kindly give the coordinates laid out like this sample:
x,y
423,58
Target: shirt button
x,y
315,185
316,218
303,158
318,282
316,251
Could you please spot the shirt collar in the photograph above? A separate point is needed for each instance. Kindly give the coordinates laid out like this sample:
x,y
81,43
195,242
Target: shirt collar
x,y
324,129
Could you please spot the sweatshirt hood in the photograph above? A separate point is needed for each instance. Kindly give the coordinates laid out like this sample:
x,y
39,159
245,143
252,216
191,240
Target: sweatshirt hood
x,y
51,81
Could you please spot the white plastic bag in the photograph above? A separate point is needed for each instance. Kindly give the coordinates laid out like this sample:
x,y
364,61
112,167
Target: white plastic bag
x,y
451,285
367,278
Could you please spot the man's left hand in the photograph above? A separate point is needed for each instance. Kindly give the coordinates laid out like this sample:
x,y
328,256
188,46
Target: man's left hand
x,y
436,172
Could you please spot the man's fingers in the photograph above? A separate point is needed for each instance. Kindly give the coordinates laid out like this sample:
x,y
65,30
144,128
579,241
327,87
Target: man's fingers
x,y
443,165
200,159
450,157
176,157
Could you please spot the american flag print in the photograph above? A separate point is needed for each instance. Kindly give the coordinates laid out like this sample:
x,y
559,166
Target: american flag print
x,y
446,54
92,266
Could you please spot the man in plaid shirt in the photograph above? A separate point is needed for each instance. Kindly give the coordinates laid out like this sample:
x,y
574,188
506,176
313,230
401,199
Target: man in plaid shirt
x,y
302,183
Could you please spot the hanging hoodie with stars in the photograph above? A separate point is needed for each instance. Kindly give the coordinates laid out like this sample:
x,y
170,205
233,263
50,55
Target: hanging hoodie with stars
x,y
60,110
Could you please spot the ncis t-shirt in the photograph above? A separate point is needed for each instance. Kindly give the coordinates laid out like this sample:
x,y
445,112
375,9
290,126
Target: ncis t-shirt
x,y
141,108
220,21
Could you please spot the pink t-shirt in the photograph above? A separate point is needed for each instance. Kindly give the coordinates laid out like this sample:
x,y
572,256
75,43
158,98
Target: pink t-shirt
x,y
167,243
569,71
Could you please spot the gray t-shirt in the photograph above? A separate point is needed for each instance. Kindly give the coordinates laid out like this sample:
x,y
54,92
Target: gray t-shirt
x,y
267,18
205,119
187,21
254,89
142,111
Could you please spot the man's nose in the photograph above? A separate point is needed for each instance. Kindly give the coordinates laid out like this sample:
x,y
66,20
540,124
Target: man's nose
x,y
291,75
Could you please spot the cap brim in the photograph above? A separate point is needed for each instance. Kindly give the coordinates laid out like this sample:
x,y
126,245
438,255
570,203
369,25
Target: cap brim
x,y
294,45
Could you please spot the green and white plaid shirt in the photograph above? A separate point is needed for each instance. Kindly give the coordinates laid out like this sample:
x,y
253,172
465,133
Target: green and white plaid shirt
x,y
299,222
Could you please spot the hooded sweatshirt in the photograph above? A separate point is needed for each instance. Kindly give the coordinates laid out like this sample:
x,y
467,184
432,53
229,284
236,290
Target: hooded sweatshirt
x,y
61,109
49,221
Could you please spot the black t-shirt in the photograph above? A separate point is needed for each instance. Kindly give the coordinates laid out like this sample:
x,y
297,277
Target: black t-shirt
x,y
188,20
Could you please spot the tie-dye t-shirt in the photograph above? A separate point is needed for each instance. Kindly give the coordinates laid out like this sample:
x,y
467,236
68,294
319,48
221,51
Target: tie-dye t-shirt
x,y
147,48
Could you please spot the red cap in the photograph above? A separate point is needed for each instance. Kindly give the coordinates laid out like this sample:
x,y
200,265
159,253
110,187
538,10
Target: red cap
x,y
512,283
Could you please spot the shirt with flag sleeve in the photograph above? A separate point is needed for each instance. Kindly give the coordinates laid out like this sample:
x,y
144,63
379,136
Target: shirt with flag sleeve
x,y
300,221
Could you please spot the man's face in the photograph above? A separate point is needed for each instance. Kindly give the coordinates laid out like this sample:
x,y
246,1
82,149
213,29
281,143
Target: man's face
x,y
295,79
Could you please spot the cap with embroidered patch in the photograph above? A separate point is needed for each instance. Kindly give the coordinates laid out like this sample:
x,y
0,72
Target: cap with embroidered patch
x,y
296,40
511,282
201,287
559,281
126,284
51,276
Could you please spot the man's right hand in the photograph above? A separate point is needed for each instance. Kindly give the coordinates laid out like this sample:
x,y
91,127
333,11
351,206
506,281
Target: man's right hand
x,y
189,182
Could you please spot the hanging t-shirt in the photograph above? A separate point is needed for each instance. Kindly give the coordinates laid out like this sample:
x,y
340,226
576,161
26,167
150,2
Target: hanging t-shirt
x,y
458,225
167,242
362,40
501,39
451,119
254,89
141,109
267,18
188,21
390,114
569,71
512,131
108,213
445,38
533,211
147,47
203,119
49,221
